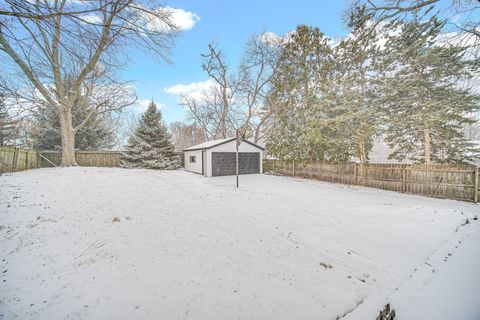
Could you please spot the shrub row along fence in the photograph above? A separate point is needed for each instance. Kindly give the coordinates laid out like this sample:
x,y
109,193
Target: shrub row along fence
x,y
459,182
15,159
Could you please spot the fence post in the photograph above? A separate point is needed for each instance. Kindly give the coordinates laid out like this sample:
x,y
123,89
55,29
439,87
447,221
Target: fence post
x,y
293,168
14,160
404,179
274,160
26,160
355,173
475,188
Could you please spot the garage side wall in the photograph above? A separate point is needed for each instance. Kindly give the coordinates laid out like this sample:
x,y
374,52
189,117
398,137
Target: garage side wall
x,y
193,166
230,147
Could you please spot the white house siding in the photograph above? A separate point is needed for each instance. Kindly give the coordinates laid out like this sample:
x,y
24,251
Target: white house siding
x,y
197,165
230,147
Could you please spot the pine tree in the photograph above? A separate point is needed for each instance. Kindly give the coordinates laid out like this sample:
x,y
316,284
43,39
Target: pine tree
x,y
427,98
352,88
97,133
150,146
302,123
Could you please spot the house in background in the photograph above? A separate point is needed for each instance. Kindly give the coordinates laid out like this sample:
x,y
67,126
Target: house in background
x,y
218,158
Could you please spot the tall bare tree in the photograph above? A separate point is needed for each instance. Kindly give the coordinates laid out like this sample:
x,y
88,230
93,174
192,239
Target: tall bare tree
x,y
239,98
256,73
47,40
213,110
186,135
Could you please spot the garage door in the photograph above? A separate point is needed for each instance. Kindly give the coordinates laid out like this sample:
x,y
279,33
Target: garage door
x,y
223,163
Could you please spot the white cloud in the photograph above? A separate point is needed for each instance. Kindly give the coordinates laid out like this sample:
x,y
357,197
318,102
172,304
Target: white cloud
x,y
184,20
191,89
154,19
164,18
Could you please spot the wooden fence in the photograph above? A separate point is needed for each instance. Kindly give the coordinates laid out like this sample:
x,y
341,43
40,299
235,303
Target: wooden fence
x,y
83,158
459,182
88,158
15,159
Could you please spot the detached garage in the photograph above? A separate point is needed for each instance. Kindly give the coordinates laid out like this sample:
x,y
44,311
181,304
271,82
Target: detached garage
x,y
217,158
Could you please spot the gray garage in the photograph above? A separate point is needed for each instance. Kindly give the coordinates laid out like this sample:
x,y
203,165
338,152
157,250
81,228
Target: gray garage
x,y
218,158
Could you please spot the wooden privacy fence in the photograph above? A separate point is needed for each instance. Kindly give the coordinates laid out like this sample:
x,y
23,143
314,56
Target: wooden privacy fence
x,y
83,158
88,158
459,182
14,159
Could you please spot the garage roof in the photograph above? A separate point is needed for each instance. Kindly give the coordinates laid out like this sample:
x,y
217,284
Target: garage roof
x,y
214,143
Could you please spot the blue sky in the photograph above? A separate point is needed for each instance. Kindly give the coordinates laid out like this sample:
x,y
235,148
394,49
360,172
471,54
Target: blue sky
x,y
229,24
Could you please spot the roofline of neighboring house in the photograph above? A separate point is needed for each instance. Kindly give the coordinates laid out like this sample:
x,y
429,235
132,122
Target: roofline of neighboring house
x,y
223,142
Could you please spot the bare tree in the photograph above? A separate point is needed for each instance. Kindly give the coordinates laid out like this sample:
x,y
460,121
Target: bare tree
x,y
6,123
238,99
256,72
222,93
213,109
47,40
186,135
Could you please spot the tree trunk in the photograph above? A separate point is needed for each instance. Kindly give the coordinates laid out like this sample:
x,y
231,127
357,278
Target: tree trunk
x,y
361,143
362,152
68,139
427,143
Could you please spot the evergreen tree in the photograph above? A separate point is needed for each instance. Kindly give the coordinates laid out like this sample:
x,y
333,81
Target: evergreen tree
x,y
427,98
98,132
150,146
352,87
302,126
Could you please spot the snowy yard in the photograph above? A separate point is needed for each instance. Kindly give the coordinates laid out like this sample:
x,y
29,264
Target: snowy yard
x,y
188,247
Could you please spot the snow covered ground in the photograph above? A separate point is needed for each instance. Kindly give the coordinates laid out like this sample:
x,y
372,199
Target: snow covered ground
x,y
187,247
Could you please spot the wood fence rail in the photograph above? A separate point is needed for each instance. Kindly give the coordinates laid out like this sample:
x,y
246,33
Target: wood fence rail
x,y
459,182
